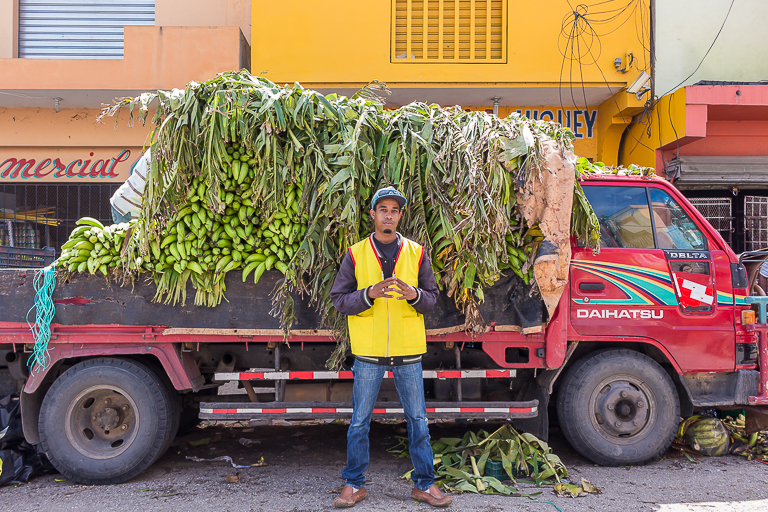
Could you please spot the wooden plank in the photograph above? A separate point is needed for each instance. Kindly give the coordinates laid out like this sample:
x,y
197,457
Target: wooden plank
x,y
408,28
440,35
246,332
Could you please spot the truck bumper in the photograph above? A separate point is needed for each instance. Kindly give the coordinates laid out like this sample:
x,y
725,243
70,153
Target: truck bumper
x,y
382,410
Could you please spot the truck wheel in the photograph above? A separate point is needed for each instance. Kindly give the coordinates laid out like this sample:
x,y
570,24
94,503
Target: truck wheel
x,y
105,420
174,401
618,407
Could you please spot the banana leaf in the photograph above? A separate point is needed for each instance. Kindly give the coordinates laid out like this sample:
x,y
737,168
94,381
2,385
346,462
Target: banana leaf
x,y
460,171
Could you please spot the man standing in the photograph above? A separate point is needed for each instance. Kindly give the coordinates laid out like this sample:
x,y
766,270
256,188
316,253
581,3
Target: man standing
x,y
387,334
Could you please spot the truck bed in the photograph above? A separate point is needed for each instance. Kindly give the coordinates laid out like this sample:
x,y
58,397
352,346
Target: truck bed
x,y
92,300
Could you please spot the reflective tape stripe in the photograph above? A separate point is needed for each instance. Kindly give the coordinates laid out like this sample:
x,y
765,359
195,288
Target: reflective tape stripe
x,y
387,410
346,374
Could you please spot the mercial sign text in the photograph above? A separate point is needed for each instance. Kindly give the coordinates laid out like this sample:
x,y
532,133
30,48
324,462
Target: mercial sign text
x,y
70,164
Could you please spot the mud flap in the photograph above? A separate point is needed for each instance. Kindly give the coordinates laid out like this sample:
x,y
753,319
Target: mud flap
x,y
756,419
538,425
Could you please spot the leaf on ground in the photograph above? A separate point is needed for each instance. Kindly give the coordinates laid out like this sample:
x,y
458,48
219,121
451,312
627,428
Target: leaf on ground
x,y
564,490
233,479
589,488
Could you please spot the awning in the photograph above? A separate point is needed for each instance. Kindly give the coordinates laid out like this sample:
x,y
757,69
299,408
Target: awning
x,y
719,172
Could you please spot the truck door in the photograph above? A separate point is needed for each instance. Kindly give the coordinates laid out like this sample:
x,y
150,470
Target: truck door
x,y
654,278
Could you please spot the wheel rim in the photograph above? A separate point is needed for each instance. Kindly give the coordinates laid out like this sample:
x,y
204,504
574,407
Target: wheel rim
x,y
622,409
102,422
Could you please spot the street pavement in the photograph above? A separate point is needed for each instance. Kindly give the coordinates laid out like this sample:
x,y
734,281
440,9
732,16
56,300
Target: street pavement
x,y
304,464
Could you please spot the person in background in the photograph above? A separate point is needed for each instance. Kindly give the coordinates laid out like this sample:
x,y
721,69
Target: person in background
x,y
762,278
126,201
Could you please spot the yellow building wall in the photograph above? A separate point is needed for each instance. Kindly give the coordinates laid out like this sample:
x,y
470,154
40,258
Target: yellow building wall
x,y
667,124
348,42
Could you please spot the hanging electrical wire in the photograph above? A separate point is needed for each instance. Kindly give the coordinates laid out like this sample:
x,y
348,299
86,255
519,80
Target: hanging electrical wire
x,y
580,42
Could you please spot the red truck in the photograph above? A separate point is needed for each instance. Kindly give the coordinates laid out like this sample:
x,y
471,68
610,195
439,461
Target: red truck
x,y
653,327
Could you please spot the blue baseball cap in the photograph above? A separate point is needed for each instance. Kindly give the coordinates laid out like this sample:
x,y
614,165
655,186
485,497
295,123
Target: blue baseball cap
x,y
388,193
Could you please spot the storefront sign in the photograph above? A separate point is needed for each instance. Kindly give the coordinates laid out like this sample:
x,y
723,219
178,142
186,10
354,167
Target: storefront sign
x,y
581,122
67,164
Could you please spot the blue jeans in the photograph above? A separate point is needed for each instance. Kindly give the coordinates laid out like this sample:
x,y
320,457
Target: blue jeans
x,y
410,390
118,218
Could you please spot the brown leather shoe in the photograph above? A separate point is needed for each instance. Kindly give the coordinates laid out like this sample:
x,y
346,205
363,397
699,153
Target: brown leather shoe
x,y
433,497
349,497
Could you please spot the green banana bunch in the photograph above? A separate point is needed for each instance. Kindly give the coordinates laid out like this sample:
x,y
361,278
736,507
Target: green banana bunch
x,y
93,248
202,240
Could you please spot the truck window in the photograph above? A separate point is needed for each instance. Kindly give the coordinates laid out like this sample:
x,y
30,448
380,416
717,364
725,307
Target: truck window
x,y
625,218
674,228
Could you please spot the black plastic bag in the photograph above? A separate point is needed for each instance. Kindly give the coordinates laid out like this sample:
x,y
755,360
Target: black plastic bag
x,y
20,464
19,460
10,420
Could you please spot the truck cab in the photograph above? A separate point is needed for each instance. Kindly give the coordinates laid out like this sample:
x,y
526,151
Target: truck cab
x,y
656,316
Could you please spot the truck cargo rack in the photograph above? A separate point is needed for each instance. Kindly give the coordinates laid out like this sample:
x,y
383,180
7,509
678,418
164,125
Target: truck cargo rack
x,y
382,410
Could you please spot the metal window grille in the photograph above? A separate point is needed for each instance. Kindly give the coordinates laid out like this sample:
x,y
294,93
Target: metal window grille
x,y
79,29
755,222
719,212
449,31
22,206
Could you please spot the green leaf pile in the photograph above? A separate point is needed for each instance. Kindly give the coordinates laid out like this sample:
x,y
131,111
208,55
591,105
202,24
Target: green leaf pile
x,y
293,153
460,463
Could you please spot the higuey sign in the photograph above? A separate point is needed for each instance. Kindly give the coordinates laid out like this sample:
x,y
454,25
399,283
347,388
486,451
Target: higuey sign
x,y
67,164
581,122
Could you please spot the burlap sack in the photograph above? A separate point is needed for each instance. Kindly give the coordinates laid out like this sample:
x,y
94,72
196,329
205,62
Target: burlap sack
x,y
548,202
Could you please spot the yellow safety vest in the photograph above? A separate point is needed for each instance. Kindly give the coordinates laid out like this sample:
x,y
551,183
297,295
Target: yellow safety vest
x,y
391,327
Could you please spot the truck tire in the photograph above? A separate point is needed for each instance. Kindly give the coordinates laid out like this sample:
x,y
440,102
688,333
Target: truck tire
x,y
174,401
618,407
106,420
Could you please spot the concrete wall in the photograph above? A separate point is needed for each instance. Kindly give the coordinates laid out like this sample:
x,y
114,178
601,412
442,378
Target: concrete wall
x,y
686,28
155,58
9,28
204,13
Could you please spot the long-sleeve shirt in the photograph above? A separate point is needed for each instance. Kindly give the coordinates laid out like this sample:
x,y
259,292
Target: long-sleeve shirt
x,y
348,300
127,199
